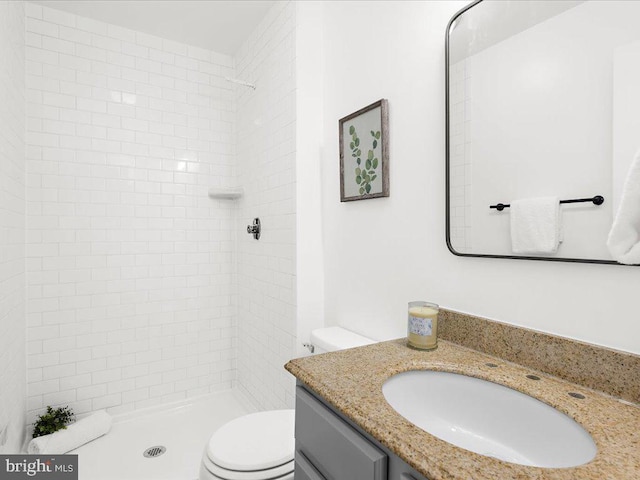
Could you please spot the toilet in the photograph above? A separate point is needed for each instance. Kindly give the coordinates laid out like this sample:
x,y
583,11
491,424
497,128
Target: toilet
x,y
260,446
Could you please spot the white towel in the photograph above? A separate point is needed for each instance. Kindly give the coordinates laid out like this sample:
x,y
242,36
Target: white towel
x,y
75,435
535,225
624,237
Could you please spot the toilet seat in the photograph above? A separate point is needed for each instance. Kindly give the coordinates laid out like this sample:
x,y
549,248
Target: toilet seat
x,y
258,446
207,475
271,473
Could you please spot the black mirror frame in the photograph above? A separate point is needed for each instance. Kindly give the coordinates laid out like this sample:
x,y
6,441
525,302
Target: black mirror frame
x,y
448,172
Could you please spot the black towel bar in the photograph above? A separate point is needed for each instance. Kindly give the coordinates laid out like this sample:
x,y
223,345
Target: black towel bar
x,y
597,200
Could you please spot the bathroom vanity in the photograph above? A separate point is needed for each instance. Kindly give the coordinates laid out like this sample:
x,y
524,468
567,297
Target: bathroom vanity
x,y
329,445
346,429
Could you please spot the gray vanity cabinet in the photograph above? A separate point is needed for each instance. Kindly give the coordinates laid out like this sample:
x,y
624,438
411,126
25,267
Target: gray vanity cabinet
x,y
330,447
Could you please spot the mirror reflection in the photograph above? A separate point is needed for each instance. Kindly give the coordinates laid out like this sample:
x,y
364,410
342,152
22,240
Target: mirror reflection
x,y
543,106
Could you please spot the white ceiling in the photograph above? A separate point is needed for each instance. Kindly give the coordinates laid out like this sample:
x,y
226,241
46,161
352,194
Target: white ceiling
x,y
219,25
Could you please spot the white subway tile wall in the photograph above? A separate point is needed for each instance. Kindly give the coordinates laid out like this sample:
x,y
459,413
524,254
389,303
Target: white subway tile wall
x,y
130,266
12,227
460,161
266,160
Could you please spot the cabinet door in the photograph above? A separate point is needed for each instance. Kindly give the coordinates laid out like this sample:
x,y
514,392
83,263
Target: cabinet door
x,y
334,448
304,469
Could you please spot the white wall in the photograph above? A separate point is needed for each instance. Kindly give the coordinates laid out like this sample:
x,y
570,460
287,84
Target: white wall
x,y
12,228
130,268
395,50
309,166
266,149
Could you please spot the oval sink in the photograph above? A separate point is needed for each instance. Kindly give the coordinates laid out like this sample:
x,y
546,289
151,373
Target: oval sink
x,y
489,419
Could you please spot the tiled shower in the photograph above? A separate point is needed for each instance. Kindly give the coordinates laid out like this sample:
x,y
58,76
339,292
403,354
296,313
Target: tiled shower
x,y
132,286
266,154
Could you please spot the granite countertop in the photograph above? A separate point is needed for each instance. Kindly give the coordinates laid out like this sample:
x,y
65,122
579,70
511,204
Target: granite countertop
x,y
351,381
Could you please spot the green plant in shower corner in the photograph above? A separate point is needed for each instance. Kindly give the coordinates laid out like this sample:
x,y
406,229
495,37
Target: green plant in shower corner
x,y
52,421
365,174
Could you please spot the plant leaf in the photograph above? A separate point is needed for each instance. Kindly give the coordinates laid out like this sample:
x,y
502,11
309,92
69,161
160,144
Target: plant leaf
x,y
374,164
352,130
367,164
375,143
378,135
361,191
368,187
358,171
52,421
358,179
370,155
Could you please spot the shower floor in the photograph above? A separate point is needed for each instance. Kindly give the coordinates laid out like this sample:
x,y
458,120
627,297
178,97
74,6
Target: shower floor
x,y
182,428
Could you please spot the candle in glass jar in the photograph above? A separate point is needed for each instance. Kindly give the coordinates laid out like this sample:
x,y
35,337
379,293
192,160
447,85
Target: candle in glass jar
x,y
422,327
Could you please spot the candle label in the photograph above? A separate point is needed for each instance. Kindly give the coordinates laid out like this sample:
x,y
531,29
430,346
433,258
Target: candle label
x,y
420,326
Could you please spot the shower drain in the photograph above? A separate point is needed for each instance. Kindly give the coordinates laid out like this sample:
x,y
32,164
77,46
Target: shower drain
x,y
154,451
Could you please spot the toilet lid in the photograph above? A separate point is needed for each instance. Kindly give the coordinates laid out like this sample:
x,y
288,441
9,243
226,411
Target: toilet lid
x,y
257,441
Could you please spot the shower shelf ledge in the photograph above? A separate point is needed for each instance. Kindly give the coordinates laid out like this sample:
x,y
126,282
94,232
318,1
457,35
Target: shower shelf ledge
x,y
226,193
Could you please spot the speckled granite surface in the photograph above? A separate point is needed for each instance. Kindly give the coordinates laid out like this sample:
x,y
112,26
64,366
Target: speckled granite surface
x,y
351,380
610,371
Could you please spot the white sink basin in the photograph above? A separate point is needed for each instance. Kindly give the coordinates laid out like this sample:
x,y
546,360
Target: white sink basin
x,y
489,419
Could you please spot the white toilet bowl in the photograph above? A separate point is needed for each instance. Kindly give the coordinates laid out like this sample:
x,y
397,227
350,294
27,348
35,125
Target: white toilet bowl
x,y
261,446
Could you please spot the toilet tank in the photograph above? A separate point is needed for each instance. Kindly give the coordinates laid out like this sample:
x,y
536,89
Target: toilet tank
x,y
330,339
